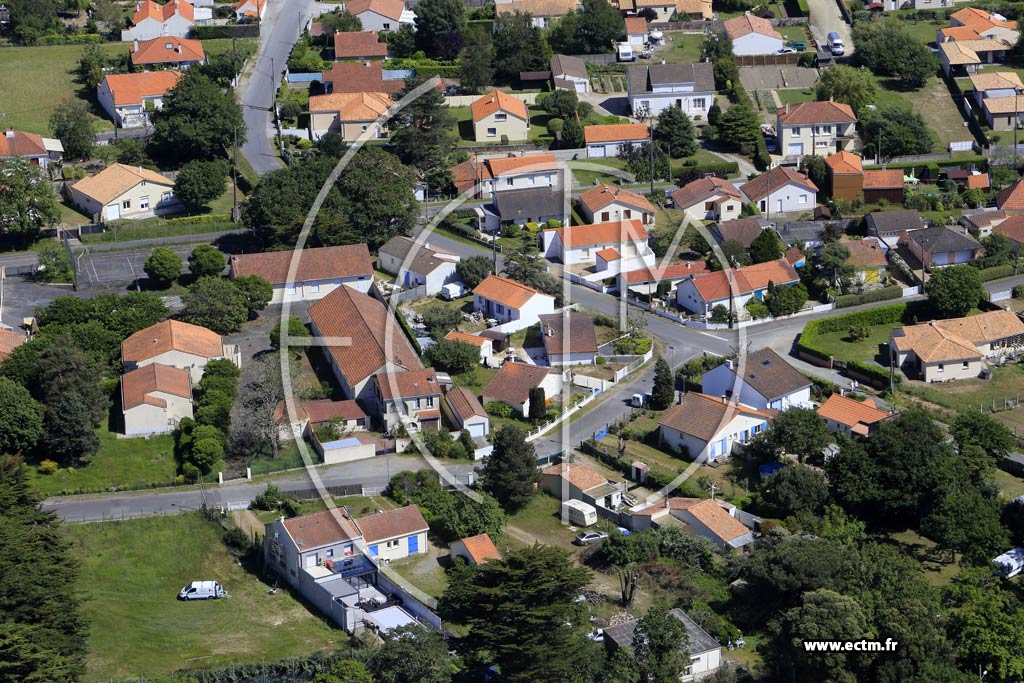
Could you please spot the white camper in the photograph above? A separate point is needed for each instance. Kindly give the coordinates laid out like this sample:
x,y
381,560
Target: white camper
x,y
1010,563
202,590
579,513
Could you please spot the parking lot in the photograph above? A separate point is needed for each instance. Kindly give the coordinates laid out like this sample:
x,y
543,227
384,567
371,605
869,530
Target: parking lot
x,y
105,269
779,77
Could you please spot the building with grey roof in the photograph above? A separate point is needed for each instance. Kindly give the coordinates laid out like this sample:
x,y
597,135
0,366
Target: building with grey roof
x,y
705,653
655,87
941,246
524,206
417,265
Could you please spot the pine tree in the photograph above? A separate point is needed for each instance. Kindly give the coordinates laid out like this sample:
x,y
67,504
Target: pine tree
x,y
664,389
510,472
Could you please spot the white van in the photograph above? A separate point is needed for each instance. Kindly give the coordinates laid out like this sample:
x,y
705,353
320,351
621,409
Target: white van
x,y
202,590
579,513
625,52
836,44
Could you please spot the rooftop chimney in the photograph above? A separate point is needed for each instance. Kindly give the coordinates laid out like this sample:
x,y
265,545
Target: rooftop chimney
x,y
135,45
179,48
9,132
787,108
725,399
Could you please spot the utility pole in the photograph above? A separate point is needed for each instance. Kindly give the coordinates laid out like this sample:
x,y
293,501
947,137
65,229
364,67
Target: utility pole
x,y
234,178
1016,123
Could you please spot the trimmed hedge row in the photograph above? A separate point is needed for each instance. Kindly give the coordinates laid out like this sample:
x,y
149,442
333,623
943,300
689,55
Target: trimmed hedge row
x,y
882,315
995,272
884,294
873,374
425,67
204,218
76,39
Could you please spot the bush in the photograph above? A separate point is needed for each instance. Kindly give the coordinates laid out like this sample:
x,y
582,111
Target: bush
x,y
884,294
632,346
48,467
268,500
498,409
1018,292
883,315
995,273
875,375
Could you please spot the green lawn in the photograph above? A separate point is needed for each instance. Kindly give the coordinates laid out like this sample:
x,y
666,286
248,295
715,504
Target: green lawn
x,y
124,231
540,519
797,96
131,573
839,344
681,48
121,463
426,571
36,79
924,31
1007,383
795,33
935,104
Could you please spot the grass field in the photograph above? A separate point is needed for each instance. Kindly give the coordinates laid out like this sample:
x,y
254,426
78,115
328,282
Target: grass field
x,y
935,104
131,573
680,48
125,231
36,79
122,463
1007,383
838,344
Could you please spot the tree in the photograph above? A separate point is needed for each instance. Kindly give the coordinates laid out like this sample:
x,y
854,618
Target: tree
x,y
440,320
451,355
800,431
90,66
640,158
21,418
817,171
735,255
423,131
206,260
510,471
254,429
257,292
163,267
781,568
527,266
954,291
967,522
526,617
833,261
562,104
998,250
766,247
476,66
215,303
846,84
345,670
200,182
473,270
895,130
64,368
794,489
785,300
69,123
518,46
341,22
440,25
26,201
69,435
296,328
663,392
985,624
591,30
981,429
538,405
43,635
198,120
660,646
888,48
823,615
675,130
739,127
572,134
402,43
54,263
413,654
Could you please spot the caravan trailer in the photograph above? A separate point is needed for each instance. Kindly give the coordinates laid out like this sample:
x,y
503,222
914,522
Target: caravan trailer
x,y
579,513
1010,563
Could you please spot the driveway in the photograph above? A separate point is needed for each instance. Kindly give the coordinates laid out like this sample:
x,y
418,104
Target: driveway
x,y
256,89
826,18
777,77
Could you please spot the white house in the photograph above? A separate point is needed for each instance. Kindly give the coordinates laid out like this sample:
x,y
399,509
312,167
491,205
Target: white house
x,y
153,20
579,481
818,128
606,140
576,244
604,203
636,31
570,73
394,534
498,115
653,88
154,399
411,398
700,293
752,35
704,652
781,190
252,9
417,265
708,428
541,12
381,15
128,98
761,380
569,338
122,191
854,418
465,412
179,345
513,382
708,199
362,340
511,303
318,271
715,520
489,177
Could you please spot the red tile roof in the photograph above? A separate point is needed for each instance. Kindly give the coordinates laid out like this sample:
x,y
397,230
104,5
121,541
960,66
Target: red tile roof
x,y
636,25
392,9
464,404
375,339
171,335
169,49
716,286
865,253
322,263
711,515
133,88
513,382
320,529
384,526
703,416
481,548
703,189
611,233
466,338
398,385
883,179
579,474
496,100
851,413
19,143
139,386
773,180
506,292
845,163
581,338
1012,198
600,196
152,10
9,341
737,27
360,77
615,132
326,410
521,163
675,271
1012,228
356,44
816,112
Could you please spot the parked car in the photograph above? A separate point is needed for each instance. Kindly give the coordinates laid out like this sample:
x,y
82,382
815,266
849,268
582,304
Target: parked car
x,y
798,45
771,144
786,51
202,590
588,537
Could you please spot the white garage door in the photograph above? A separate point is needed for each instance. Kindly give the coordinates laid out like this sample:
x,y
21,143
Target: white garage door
x,y
595,151
113,212
475,430
795,149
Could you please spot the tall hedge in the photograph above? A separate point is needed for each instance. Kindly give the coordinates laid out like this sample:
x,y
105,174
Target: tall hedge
x,y
883,294
883,315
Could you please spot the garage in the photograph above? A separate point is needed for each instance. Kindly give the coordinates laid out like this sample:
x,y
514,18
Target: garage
x,y
113,212
596,151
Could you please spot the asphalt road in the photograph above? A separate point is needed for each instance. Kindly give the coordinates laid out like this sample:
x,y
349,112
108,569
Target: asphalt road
x,y
826,18
281,27
373,473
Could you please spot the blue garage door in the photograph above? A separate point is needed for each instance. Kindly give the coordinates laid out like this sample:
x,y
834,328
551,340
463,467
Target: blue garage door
x,y
373,550
414,544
